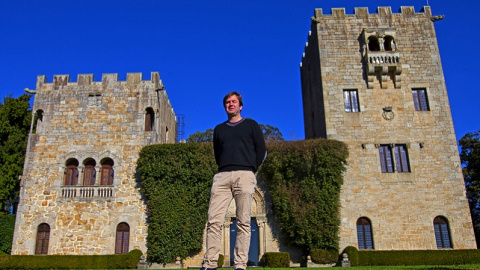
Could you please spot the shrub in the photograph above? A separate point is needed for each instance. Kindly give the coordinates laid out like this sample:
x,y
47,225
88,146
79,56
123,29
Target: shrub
x,y
418,257
352,253
117,261
276,259
303,178
323,256
221,260
7,226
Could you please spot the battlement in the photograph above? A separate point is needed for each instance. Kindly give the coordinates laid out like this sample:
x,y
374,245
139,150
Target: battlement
x,y
89,79
362,12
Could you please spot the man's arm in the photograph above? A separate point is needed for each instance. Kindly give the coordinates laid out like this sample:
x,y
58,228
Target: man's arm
x,y
259,143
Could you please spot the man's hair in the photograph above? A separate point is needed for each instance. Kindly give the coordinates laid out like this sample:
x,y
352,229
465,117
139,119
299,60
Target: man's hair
x,y
240,100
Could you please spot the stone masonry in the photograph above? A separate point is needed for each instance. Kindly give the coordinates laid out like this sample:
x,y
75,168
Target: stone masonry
x,y
380,60
89,123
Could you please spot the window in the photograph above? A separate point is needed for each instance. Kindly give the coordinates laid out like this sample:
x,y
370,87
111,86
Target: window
x,y
71,172
149,119
107,172
122,238
442,232
420,100
386,160
38,119
373,44
364,234
43,236
89,172
350,98
389,43
401,158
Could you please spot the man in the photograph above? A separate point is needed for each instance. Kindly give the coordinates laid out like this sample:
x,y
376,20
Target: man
x,y
239,150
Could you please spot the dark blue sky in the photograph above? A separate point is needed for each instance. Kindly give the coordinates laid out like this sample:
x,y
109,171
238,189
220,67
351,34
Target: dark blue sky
x,y
204,49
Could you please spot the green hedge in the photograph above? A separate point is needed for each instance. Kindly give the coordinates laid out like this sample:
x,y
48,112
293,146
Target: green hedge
x,y
323,256
118,261
303,177
411,257
7,226
276,259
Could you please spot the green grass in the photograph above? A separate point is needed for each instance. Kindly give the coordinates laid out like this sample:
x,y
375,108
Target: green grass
x,y
399,267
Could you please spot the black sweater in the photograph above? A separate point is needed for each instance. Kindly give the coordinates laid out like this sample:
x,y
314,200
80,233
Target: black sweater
x,y
239,147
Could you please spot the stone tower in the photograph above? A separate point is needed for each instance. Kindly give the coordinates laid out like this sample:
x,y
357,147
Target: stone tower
x,y
79,193
375,82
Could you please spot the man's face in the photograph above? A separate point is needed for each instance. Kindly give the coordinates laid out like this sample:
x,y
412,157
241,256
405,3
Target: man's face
x,y
232,106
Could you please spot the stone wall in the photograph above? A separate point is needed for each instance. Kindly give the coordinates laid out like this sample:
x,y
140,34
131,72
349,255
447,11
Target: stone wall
x,y
400,205
88,120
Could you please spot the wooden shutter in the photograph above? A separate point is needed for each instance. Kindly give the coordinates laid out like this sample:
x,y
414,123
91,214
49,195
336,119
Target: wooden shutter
x,y
43,237
122,238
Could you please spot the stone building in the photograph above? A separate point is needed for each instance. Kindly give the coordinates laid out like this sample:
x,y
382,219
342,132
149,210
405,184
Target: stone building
x,y
79,193
375,82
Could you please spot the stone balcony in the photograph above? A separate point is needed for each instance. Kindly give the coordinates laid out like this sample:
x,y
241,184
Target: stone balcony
x,y
88,192
383,63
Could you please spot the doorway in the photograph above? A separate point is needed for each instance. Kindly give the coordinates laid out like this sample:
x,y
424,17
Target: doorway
x,y
253,251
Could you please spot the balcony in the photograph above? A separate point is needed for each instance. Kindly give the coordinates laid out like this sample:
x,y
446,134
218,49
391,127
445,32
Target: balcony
x,y
92,192
383,63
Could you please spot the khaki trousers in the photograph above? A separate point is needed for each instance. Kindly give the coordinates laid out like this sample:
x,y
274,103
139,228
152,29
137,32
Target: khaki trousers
x,y
239,185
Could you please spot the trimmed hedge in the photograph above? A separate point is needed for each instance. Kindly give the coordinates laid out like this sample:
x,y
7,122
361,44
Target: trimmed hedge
x,y
411,257
276,259
7,226
419,257
118,261
303,178
323,256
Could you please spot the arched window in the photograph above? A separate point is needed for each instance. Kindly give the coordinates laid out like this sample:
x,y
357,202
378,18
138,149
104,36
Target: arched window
x,y
43,236
107,172
89,172
442,232
122,238
71,172
149,119
364,234
38,119
373,44
388,43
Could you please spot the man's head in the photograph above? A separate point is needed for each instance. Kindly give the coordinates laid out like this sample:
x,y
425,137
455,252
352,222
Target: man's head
x,y
233,105
233,93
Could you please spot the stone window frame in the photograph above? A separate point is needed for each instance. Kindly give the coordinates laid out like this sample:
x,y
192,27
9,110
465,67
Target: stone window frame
x,y
351,100
420,99
122,238
42,239
442,232
364,233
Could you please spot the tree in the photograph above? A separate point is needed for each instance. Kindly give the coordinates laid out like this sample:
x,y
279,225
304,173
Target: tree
x,y
470,157
15,118
270,133
199,137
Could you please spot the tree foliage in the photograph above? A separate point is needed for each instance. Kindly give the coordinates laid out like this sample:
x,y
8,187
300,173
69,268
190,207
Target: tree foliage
x,y
15,118
470,157
303,178
201,137
270,133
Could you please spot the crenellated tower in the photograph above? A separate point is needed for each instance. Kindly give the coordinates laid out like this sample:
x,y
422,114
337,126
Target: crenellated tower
x,y
79,193
375,81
